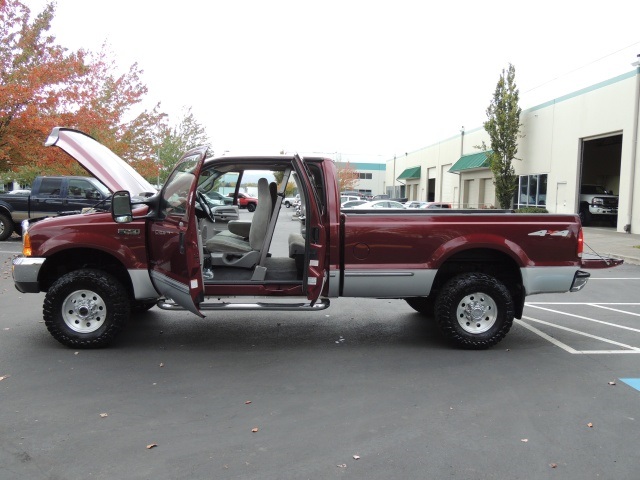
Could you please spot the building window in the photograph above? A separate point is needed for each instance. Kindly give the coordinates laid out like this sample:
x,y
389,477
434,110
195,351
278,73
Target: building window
x,y
365,176
532,191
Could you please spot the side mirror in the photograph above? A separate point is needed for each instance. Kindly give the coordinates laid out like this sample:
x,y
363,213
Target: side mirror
x,y
121,207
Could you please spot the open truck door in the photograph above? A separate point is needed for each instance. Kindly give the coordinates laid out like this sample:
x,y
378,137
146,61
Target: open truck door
x,y
174,243
316,273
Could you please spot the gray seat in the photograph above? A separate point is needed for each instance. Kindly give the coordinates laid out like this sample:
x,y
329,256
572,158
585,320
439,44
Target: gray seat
x,y
230,249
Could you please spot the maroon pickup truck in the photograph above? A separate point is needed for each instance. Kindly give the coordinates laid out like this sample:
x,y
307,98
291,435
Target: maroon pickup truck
x,y
470,270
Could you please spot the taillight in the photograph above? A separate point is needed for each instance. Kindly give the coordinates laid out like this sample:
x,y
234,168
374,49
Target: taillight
x,y
26,244
580,247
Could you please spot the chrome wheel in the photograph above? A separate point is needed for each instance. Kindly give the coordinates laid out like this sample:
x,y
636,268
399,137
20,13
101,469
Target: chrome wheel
x,y
84,311
476,313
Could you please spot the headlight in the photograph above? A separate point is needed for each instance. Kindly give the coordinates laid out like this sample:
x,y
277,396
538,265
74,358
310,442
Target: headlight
x,y
597,201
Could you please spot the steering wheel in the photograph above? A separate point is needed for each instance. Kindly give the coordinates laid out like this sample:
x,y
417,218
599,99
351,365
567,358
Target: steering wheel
x,y
204,206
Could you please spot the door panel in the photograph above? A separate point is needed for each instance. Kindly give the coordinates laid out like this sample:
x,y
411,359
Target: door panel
x,y
173,238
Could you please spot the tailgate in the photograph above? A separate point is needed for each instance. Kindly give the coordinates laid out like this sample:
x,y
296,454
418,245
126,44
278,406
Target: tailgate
x,y
593,261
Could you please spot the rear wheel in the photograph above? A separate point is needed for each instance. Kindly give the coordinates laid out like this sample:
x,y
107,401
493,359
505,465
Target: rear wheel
x,y
6,226
86,309
474,311
251,207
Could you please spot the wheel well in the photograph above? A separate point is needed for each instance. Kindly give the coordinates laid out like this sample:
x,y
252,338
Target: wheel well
x,y
67,261
488,261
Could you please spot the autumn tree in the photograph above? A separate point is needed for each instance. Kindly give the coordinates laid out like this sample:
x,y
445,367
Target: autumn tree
x,y
174,141
42,85
347,177
503,126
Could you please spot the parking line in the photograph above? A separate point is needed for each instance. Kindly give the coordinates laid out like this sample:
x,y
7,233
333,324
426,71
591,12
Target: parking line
x,y
549,338
614,309
586,318
582,303
566,347
614,278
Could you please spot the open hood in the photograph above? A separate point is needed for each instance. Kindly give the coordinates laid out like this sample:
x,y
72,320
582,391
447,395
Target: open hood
x,y
102,163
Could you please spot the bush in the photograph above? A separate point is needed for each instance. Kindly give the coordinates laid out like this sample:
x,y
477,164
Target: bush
x,y
531,210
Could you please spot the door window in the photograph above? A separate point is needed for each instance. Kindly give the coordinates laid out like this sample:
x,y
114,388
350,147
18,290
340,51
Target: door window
x,y
176,192
50,187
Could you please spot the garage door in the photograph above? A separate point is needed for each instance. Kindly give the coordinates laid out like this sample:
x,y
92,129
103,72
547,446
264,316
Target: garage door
x,y
489,193
449,182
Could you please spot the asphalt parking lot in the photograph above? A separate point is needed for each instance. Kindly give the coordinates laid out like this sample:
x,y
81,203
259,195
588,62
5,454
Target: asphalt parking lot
x,y
365,389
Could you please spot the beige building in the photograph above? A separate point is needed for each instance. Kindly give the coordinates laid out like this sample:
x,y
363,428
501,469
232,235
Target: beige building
x,y
586,137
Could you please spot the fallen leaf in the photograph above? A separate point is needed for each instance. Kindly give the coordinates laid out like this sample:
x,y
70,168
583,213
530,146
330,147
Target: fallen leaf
x,y
525,440
553,465
356,457
161,364
152,445
3,377
76,353
104,415
247,402
342,465
590,425
254,430
612,383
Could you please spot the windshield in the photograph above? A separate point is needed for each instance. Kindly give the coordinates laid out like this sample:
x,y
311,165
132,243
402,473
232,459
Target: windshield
x,y
594,190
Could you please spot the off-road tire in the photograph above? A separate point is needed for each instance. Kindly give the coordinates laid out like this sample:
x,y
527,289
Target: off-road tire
x,y
86,309
474,311
287,204
6,226
423,305
251,207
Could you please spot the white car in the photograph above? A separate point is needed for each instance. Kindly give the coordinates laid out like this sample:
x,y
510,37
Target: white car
x,y
380,204
352,203
289,201
348,198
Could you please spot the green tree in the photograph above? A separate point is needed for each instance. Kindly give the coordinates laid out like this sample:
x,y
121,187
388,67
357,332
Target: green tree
x,y
177,140
503,126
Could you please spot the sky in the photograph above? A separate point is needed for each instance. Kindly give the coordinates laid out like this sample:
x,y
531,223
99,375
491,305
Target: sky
x,y
360,80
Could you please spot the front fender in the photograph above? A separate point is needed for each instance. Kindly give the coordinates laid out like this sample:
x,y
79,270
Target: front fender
x,y
131,254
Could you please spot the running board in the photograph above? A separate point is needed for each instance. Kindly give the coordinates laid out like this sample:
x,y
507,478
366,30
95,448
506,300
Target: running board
x,y
319,305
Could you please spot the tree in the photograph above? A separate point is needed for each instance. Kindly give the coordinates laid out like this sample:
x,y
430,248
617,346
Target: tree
x,y
503,126
42,85
177,140
347,177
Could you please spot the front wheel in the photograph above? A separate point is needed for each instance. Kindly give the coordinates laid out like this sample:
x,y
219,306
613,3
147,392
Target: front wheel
x,y
474,311
86,309
6,226
585,215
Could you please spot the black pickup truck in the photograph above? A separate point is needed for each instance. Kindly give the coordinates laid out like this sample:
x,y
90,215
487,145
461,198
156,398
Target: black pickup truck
x,y
50,196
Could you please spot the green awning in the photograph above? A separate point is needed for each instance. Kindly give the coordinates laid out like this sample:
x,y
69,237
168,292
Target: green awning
x,y
471,161
409,173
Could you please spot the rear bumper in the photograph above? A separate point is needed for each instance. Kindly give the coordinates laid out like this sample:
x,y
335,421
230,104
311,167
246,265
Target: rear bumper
x,y
25,272
580,279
